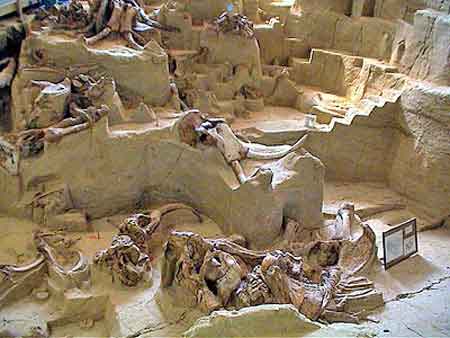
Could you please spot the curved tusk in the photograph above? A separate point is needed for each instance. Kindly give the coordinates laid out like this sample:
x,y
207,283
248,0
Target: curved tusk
x,y
273,155
24,268
165,209
157,214
81,263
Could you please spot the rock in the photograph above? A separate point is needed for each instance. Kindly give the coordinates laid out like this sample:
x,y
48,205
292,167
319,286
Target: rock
x,y
41,295
426,51
421,159
141,73
271,320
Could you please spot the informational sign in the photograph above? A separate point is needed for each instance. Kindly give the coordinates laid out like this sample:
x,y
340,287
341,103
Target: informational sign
x,y
400,243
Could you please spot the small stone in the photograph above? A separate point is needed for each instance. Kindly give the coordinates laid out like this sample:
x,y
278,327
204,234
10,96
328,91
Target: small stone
x,y
41,295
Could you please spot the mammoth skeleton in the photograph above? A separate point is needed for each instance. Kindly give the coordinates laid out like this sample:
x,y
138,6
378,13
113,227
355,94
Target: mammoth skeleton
x,y
194,127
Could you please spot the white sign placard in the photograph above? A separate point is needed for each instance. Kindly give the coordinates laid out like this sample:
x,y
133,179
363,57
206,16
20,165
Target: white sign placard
x,y
400,243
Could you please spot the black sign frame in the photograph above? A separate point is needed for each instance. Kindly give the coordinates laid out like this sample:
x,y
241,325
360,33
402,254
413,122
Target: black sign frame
x,y
401,227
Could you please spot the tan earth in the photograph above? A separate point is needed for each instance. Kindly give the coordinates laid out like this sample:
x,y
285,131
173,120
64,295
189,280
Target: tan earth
x,y
225,169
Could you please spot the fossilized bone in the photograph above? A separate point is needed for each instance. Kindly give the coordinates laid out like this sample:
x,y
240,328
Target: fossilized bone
x,y
98,10
113,24
18,280
250,257
367,212
194,127
187,125
275,152
359,253
81,262
88,91
7,74
235,23
125,259
344,221
353,253
72,17
84,119
296,288
217,273
50,104
30,142
123,20
53,135
223,271
46,118
46,244
141,226
181,244
234,150
126,26
46,250
145,19
8,270
253,290
128,255
100,18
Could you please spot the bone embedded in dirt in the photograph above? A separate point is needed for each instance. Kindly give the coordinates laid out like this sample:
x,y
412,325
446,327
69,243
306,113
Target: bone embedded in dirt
x,y
223,168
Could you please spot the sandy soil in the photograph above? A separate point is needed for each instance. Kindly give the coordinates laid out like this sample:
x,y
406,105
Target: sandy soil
x,y
415,291
272,118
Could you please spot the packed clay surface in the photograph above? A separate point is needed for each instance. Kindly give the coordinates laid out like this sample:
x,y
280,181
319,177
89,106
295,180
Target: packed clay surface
x,y
239,168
